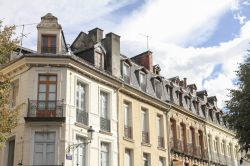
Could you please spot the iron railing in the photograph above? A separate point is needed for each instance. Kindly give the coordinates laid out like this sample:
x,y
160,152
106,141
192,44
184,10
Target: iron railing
x,y
82,116
128,132
47,109
104,124
145,137
161,142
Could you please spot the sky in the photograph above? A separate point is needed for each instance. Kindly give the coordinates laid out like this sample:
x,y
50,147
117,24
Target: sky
x,y
202,40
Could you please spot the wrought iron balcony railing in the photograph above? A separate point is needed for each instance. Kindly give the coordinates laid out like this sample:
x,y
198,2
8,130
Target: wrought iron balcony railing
x,y
46,110
145,137
161,142
176,145
104,124
82,116
128,132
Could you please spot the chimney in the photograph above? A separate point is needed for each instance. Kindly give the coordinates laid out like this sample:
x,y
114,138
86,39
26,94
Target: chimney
x,y
202,94
212,100
112,46
144,59
185,82
95,35
49,32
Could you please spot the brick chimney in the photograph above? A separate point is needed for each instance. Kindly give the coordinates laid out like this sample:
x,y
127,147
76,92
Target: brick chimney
x,y
144,59
112,46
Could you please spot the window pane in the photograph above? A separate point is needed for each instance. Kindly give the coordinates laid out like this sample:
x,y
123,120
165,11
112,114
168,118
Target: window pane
x,y
42,78
104,105
104,154
42,87
128,158
52,78
52,88
42,96
52,97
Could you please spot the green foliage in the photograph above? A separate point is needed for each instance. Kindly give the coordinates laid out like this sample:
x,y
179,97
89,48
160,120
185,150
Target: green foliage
x,y
8,115
239,105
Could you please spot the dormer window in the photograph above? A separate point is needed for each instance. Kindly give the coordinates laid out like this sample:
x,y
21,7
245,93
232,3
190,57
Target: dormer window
x,y
179,96
99,60
158,89
211,114
126,72
48,44
142,80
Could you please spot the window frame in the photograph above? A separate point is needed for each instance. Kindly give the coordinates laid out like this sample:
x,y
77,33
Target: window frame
x,y
49,38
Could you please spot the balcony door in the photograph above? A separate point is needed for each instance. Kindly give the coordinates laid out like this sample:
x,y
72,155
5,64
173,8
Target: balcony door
x,y
47,92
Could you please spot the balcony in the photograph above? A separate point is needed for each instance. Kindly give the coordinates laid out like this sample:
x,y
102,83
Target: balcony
x,y
176,145
104,124
145,137
128,132
161,142
82,116
45,111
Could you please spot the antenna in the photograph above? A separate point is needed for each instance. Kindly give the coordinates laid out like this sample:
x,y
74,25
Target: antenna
x,y
23,35
147,36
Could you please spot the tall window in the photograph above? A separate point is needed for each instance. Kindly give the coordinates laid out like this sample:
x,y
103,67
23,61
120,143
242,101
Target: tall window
x,y
146,159
223,148
11,152
126,73
47,94
180,99
216,142
81,112
44,148
159,127
173,135
192,136
48,44
105,154
162,161
127,120
104,113
158,89
81,152
183,136
143,81
98,60
14,93
128,160
144,126
171,93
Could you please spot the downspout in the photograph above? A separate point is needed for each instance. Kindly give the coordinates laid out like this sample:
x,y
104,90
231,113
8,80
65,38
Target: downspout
x,y
208,147
168,141
118,110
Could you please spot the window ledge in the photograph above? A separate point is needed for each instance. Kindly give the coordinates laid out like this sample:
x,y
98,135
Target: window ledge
x,y
81,125
146,144
161,148
129,139
105,132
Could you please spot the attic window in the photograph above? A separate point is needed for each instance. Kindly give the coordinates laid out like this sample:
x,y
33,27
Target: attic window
x,y
142,80
218,117
211,114
98,60
48,44
158,89
126,72
203,108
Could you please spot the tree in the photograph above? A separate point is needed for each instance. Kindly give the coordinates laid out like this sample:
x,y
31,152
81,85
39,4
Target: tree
x,y
8,115
239,106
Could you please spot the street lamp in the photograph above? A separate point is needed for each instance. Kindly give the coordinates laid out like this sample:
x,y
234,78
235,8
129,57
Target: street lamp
x,y
86,142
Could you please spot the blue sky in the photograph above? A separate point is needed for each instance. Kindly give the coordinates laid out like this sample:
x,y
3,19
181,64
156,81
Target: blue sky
x,y
203,40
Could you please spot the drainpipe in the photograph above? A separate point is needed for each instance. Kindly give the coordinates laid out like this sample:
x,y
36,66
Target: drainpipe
x,y
168,141
207,146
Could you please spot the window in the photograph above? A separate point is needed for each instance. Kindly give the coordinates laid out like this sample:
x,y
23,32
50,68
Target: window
x,y
14,93
158,89
80,152
160,130
104,113
126,73
196,106
81,111
180,99
143,82
162,161
211,114
203,108
171,93
127,120
223,148
146,159
11,152
192,136
44,148
98,60
183,136
173,134
48,44
216,143
47,94
104,154
144,126
128,158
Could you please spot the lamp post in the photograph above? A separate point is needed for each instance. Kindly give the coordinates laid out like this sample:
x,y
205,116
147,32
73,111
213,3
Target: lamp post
x,y
88,140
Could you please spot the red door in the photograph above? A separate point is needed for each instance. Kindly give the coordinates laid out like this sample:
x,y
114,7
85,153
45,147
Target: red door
x,y
47,92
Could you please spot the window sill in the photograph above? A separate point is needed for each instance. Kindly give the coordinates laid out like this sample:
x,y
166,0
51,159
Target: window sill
x,y
146,144
81,125
128,139
161,148
105,132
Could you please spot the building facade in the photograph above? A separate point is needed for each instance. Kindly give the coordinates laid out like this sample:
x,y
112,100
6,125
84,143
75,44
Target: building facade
x,y
139,117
